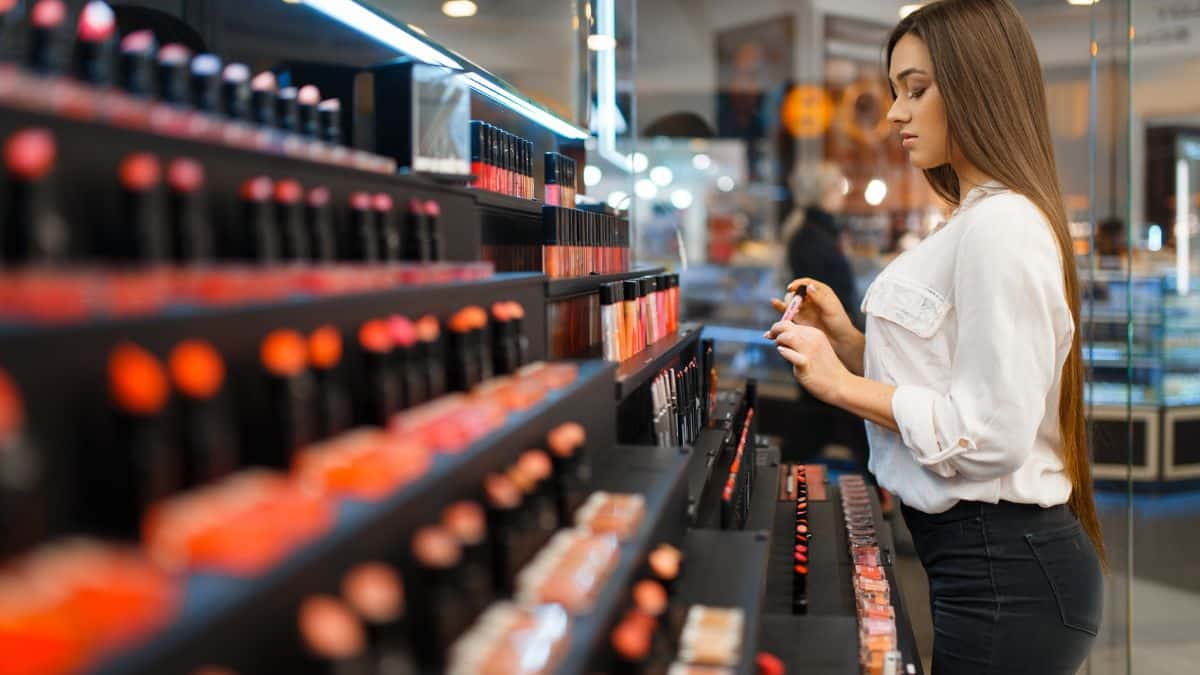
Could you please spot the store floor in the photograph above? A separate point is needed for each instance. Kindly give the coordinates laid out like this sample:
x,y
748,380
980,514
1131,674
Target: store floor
x,y
1165,587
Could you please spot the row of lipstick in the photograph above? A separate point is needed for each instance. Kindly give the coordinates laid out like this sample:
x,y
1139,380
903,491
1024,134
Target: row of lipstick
x,y
568,243
501,162
72,603
637,313
675,396
799,485
170,91
164,216
735,495
878,645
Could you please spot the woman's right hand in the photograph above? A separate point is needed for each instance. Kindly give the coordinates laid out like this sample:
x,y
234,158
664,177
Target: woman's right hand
x,y
822,310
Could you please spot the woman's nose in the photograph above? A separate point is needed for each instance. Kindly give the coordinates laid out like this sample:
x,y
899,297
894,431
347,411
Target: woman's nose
x,y
897,114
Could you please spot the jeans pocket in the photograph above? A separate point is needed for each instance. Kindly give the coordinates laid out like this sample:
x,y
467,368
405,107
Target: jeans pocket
x,y
1072,568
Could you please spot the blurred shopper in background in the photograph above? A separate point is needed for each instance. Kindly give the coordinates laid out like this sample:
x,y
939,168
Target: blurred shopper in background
x,y
811,232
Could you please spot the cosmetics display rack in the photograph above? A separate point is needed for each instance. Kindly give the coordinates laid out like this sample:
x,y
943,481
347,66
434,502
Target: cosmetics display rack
x,y
728,569
707,450
86,181
825,638
560,289
241,623
635,372
658,474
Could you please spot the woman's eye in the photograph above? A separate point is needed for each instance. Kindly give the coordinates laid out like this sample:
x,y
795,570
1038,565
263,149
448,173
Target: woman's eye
x,y
916,93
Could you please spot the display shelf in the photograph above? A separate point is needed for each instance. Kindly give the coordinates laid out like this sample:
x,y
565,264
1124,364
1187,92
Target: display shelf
x,y
241,623
659,474
764,492
728,569
641,368
558,289
706,452
488,200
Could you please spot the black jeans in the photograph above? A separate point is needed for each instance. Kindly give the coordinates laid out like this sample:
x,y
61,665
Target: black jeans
x,y
1015,588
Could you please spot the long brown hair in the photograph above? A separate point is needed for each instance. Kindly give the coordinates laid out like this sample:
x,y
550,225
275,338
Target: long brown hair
x,y
981,51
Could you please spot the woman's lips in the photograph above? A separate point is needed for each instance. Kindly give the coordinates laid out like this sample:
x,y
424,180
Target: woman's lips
x,y
908,140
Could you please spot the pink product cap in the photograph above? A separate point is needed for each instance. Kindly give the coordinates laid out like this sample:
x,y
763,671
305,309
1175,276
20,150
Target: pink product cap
x,y
360,201
138,41
48,14
402,330
174,54
382,202
97,23
236,72
318,196
432,208
264,81
416,206
309,95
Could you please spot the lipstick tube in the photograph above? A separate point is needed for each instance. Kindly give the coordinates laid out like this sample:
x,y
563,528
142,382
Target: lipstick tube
x,y
137,64
142,467
47,19
33,231
206,438
333,408
287,110
529,182
289,217
307,100
318,218
433,236
416,242
362,238
478,136
206,80
632,315
376,593
467,521
503,504
173,87
334,638
259,236
430,356
571,467
235,92
405,364
552,194
387,226
94,44
141,235
436,597
190,230
504,342
329,118
609,328
645,300
462,366
383,396
284,356
516,313
262,99
21,520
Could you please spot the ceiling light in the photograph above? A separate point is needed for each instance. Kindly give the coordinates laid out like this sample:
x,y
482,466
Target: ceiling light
x,y
681,199
1082,3
638,162
592,175
375,26
662,176
875,192
459,9
701,162
725,184
905,10
601,43
616,199
645,189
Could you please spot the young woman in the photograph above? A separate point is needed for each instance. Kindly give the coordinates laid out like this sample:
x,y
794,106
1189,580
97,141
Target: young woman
x,y
969,374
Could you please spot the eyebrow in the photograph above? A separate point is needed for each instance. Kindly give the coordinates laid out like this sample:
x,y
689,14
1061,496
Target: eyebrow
x,y
909,71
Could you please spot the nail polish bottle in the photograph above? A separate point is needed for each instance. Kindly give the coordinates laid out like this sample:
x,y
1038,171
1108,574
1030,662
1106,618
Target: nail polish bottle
x,y
375,591
416,242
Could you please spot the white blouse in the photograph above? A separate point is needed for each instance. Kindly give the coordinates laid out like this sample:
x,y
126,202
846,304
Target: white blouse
x,y
972,327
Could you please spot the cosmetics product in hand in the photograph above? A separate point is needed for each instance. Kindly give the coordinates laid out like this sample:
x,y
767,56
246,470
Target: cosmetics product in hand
x,y
284,355
142,467
259,237
47,18
137,69
381,384
206,439
141,234
467,521
190,231
329,121
287,109
375,592
436,596
262,99
206,81
33,231
318,218
173,85
235,92
94,43
333,637
362,237
333,401
307,100
21,521
429,353
289,218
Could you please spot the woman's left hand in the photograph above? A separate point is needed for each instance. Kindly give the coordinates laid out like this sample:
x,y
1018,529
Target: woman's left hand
x,y
814,363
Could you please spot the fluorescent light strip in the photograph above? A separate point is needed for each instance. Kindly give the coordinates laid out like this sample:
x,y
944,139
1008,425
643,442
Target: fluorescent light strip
x,y
520,105
371,24
1183,218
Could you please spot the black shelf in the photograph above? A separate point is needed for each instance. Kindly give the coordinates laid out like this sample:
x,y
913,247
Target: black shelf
x,y
728,569
502,202
764,491
639,369
657,473
704,457
559,289
227,621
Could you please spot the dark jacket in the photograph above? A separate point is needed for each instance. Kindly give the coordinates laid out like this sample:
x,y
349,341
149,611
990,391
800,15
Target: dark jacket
x,y
814,251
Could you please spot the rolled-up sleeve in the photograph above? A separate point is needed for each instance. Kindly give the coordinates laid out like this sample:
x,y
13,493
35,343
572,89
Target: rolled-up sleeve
x,y
1011,323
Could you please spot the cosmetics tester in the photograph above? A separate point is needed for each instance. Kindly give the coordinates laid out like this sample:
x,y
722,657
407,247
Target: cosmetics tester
x,y
313,361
